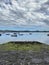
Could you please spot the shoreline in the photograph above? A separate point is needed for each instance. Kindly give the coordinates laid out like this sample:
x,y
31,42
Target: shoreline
x,y
26,31
24,54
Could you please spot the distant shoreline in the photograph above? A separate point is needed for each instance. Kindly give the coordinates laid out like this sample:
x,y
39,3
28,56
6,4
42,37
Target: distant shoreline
x,y
26,31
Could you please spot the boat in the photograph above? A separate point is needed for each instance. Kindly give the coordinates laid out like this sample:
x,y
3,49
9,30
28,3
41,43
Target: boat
x,y
13,35
0,34
7,34
47,34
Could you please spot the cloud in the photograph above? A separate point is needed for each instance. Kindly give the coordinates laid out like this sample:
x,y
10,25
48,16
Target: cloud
x,y
24,12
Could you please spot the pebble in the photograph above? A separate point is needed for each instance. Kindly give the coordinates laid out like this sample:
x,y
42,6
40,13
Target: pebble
x,y
24,58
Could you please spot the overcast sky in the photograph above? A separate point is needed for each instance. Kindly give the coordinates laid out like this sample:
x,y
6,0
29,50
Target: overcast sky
x,y
24,12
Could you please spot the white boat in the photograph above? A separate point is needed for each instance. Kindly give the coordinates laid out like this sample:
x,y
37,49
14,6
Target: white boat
x,y
13,35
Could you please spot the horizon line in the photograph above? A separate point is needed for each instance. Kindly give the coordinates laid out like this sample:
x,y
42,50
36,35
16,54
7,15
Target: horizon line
x,y
22,31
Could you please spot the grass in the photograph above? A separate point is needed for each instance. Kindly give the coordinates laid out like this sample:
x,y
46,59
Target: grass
x,y
25,46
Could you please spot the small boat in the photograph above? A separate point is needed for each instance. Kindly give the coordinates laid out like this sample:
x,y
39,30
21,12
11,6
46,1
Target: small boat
x,y
30,33
7,34
0,34
13,35
21,34
47,34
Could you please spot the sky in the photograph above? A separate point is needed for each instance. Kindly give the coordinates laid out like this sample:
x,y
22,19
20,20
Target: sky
x,y
24,12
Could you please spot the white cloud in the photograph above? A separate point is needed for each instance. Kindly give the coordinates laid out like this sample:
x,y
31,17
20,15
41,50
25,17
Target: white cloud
x,y
25,12
21,21
43,1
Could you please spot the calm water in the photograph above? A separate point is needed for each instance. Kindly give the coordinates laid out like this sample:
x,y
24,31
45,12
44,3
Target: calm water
x,y
41,37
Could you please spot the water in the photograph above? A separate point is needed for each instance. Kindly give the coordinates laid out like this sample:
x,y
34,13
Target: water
x,y
40,37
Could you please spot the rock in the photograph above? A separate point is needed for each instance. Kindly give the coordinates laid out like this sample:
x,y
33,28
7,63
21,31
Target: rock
x,y
36,60
46,59
24,58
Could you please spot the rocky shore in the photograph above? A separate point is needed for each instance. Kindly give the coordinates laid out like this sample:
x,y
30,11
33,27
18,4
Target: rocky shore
x,y
24,58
